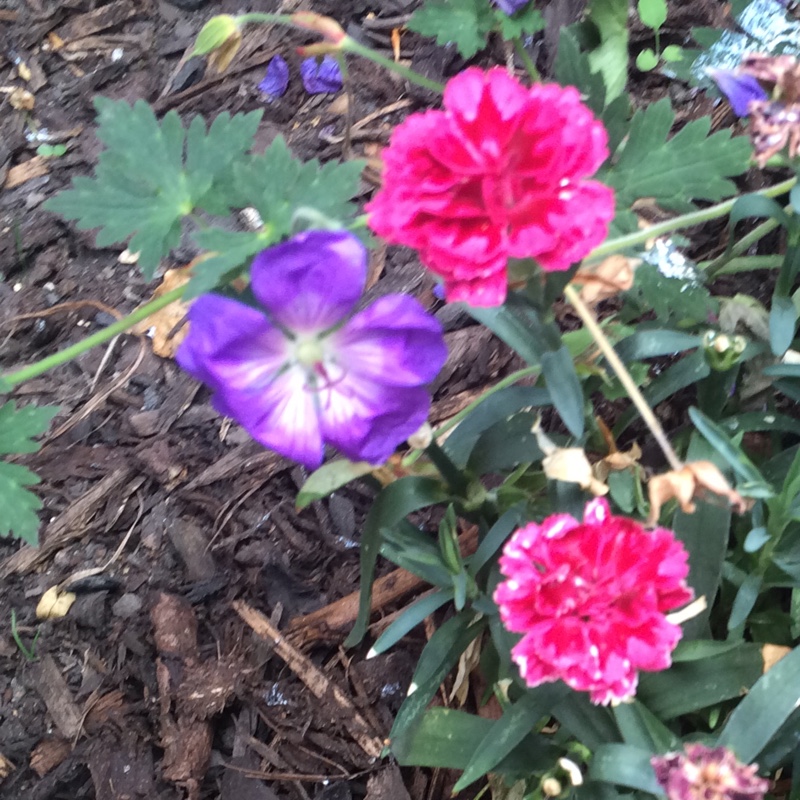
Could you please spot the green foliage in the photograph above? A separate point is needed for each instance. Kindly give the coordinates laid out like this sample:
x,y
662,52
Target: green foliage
x,y
526,21
610,57
151,175
652,13
466,23
17,431
690,166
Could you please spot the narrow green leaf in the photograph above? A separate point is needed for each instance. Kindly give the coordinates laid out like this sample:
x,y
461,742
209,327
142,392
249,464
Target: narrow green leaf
x,y
782,324
652,343
744,601
641,728
330,477
624,765
392,504
409,619
496,537
565,389
591,725
509,731
765,708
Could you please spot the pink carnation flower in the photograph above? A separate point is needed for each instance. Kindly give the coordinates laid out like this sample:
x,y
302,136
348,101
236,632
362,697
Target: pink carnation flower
x,y
708,773
499,173
590,599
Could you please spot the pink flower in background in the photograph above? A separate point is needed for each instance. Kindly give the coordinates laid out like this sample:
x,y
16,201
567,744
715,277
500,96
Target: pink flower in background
x,y
590,598
500,173
710,773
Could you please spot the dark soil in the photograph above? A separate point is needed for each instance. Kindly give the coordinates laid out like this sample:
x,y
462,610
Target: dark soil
x,y
153,686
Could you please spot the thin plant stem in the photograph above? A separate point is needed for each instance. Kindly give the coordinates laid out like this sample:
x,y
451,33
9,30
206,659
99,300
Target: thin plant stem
x,y
526,59
748,264
350,45
683,221
606,348
717,265
12,379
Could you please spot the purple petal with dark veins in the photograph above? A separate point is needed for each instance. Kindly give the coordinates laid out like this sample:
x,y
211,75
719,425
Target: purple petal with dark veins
x,y
311,281
321,77
276,81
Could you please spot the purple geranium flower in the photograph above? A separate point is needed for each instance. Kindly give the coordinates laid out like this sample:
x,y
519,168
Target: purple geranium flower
x,y
740,89
276,80
510,6
304,372
320,77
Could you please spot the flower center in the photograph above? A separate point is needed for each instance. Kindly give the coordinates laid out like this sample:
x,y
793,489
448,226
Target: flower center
x,y
309,352
322,370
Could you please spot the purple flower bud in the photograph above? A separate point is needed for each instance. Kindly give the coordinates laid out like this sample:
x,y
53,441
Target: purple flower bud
x,y
303,371
320,77
738,88
712,773
276,80
510,6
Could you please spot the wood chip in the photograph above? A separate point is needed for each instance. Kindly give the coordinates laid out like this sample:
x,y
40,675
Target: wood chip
x,y
28,170
100,19
48,754
50,684
319,684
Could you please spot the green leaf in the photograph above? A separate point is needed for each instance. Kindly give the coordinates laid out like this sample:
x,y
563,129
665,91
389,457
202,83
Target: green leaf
x,y
610,58
592,725
505,445
509,731
466,23
641,728
651,343
409,619
392,505
652,13
782,324
17,428
673,53
565,389
693,685
690,166
526,21
572,68
142,189
624,765
494,409
674,300
18,504
765,708
330,477
496,537
744,601
646,60
416,552
439,656
734,456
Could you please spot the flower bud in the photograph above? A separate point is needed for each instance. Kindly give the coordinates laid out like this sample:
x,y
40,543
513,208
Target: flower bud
x,y
330,30
220,37
551,787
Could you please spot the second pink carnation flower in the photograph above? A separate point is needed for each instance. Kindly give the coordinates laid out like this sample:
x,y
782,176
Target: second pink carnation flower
x,y
500,173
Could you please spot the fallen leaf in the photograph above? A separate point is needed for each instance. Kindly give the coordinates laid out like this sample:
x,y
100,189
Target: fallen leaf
x,y
21,99
163,327
54,604
772,654
607,279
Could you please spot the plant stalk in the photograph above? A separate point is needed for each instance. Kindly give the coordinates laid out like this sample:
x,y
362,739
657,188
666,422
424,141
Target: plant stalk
x,y
607,349
12,379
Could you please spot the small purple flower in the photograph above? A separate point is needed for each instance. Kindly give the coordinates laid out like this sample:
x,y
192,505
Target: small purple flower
x,y
711,773
740,89
305,372
320,77
510,6
276,80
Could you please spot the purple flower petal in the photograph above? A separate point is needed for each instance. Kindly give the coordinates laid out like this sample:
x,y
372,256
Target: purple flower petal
x,y
320,77
276,80
393,341
739,89
311,281
510,6
359,387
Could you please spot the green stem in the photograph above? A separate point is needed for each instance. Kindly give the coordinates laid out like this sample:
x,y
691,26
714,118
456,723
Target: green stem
x,y
8,382
747,264
526,59
350,45
255,18
684,221
607,349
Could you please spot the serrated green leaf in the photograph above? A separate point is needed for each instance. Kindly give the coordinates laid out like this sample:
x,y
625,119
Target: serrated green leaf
x,y
18,504
142,189
466,23
524,22
610,58
690,166
572,68
18,427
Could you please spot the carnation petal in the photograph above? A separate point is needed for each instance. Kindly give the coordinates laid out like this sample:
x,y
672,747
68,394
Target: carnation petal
x,y
311,281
